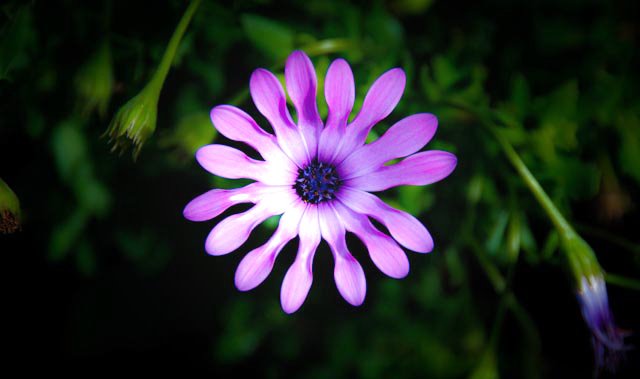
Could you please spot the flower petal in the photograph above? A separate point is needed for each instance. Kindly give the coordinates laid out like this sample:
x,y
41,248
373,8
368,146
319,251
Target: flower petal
x,y
404,228
384,251
237,125
301,86
212,203
404,138
382,98
339,91
417,170
234,230
256,266
269,98
299,277
231,163
347,272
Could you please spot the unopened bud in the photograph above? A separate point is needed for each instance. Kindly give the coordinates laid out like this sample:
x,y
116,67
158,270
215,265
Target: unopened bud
x,y
94,82
135,121
9,209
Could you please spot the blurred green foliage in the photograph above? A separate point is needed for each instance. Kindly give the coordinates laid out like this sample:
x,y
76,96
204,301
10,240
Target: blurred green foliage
x,y
561,76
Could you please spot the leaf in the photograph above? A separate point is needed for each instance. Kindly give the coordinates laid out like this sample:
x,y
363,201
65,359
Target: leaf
x,y
415,199
429,86
272,38
558,112
514,237
496,235
444,72
575,179
17,41
69,147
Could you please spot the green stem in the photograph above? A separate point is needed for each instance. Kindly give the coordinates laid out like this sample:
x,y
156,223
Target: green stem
x,y
486,116
172,47
580,256
530,181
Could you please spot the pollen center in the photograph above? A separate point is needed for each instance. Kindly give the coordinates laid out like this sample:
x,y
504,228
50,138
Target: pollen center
x,y
317,182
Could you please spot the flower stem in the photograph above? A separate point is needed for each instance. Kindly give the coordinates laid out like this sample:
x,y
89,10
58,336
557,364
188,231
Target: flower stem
x,y
530,181
172,47
580,256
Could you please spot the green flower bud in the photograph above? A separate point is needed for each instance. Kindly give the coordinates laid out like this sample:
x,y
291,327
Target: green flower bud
x,y
487,368
9,209
135,121
580,257
94,82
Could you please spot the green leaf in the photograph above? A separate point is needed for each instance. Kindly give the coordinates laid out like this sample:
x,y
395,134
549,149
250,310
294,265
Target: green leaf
x,y
576,179
415,199
444,72
191,133
18,40
497,232
429,86
272,38
271,223
514,237
69,147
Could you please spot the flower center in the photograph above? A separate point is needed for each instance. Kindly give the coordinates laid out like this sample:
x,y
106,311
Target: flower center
x,y
317,182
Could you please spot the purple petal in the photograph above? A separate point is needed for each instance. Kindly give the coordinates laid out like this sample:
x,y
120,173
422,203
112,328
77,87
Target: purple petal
x,y
231,163
347,272
212,203
404,138
382,98
236,125
417,170
404,228
256,266
301,85
339,90
269,98
299,277
234,230
384,251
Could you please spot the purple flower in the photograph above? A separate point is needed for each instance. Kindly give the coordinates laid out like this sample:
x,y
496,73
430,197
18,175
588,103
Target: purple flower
x,y
607,339
319,178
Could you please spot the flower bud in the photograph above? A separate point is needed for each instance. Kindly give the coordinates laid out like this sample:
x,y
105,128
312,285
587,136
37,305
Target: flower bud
x,y
94,82
9,209
607,339
135,121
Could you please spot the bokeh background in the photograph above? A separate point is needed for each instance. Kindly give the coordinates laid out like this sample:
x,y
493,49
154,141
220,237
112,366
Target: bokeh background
x,y
107,276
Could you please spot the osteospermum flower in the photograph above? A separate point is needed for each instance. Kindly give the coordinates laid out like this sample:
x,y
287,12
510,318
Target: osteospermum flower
x,y
319,177
606,337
